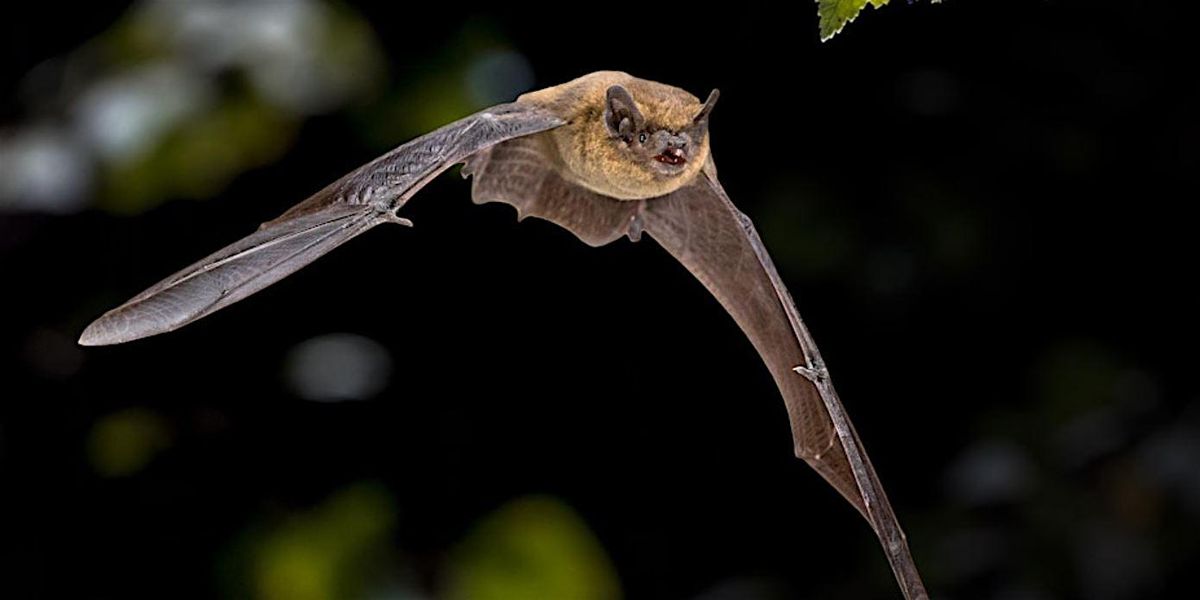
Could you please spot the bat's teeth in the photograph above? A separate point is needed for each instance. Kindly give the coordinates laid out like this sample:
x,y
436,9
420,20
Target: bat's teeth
x,y
672,156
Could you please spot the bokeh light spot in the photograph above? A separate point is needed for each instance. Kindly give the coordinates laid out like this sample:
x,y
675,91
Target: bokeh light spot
x,y
337,367
991,471
43,169
123,443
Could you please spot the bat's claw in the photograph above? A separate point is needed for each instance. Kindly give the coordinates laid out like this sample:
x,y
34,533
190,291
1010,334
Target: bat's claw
x,y
392,217
817,375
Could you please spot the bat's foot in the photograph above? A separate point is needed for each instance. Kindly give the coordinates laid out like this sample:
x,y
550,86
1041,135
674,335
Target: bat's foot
x,y
816,374
634,233
636,224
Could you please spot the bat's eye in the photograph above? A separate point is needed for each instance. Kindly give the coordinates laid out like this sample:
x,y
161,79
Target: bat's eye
x,y
642,138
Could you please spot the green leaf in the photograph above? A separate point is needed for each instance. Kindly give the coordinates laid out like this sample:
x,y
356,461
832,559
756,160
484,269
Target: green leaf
x,y
835,14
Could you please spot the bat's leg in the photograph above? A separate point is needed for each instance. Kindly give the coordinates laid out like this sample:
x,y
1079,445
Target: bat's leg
x,y
636,224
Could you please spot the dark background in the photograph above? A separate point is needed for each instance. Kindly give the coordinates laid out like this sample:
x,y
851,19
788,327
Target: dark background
x,y
981,209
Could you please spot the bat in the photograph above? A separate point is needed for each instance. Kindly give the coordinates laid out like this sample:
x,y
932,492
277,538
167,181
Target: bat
x,y
604,156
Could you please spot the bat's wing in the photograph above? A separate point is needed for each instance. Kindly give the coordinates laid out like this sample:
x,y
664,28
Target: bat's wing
x,y
701,228
517,173
366,197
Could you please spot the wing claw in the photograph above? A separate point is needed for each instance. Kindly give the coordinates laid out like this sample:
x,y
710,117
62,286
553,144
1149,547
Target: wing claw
x,y
816,375
392,217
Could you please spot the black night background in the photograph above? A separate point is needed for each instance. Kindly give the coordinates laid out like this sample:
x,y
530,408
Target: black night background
x,y
982,210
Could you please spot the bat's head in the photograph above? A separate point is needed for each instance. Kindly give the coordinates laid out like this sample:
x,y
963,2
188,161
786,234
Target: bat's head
x,y
628,138
669,140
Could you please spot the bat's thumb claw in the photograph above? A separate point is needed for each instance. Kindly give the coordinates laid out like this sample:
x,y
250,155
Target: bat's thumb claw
x,y
391,217
816,375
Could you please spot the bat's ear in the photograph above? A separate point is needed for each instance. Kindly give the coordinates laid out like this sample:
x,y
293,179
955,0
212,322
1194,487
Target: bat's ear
x,y
702,116
621,114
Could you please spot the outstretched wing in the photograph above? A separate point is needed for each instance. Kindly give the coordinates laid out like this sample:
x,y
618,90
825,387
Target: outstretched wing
x,y
366,197
702,229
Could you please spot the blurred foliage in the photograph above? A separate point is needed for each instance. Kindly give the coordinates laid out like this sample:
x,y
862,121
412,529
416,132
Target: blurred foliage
x,y
533,547
1015,504
123,443
176,99
280,64
475,68
835,14
200,157
326,553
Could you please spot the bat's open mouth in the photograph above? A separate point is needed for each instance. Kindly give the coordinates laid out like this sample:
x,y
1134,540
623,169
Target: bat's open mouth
x,y
672,156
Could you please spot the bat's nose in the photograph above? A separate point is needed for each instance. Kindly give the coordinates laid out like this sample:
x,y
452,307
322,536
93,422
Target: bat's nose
x,y
677,141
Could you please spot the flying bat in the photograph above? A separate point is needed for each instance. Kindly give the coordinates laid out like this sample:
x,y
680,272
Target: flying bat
x,y
604,156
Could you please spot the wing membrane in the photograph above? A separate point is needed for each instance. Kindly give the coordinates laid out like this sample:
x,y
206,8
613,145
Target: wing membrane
x,y
230,274
701,228
517,173
353,204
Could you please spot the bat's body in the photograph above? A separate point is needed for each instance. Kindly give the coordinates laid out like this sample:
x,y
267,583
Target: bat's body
x,y
604,156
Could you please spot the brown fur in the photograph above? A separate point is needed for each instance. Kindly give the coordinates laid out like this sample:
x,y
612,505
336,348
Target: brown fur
x,y
590,156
